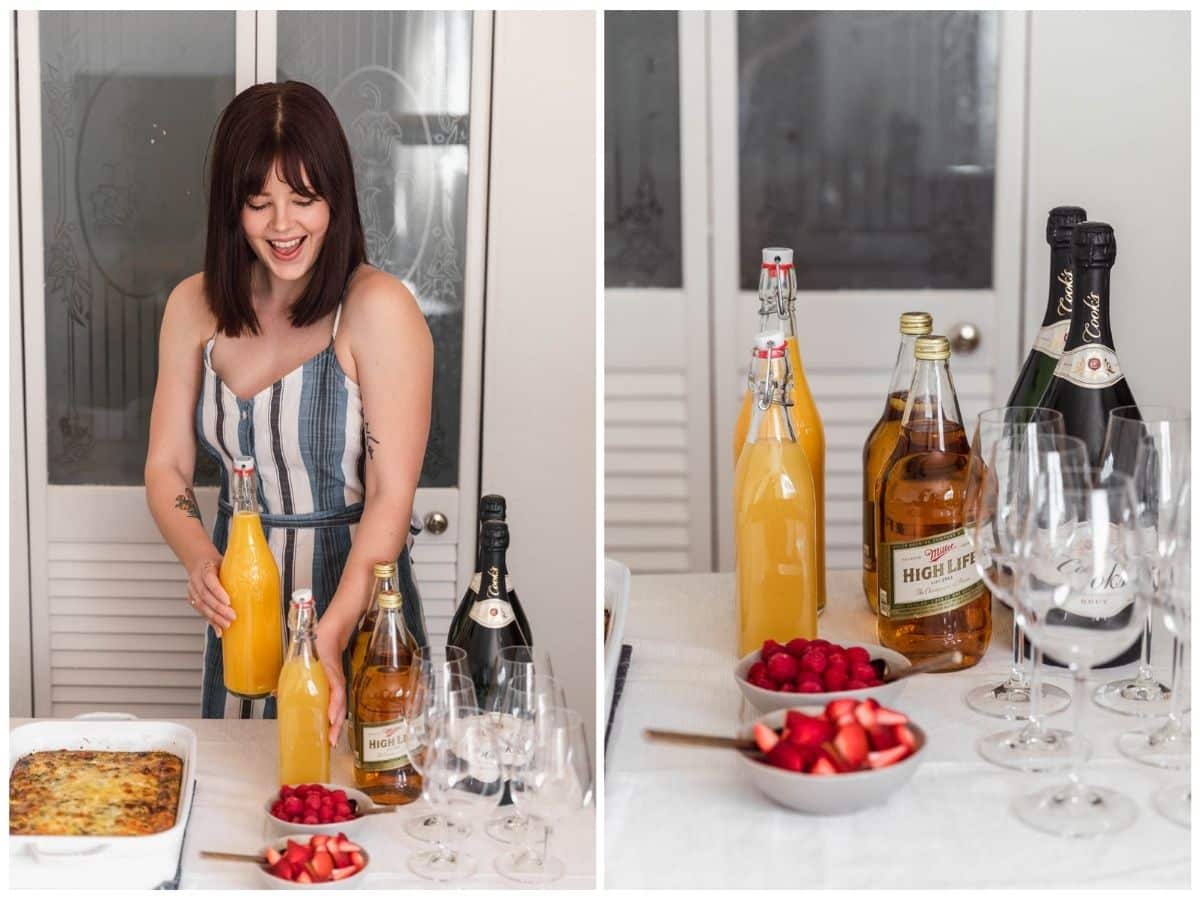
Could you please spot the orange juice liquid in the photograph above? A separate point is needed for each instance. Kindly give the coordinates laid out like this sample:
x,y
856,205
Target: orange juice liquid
x,y
252,647
776,539
810,434
303,701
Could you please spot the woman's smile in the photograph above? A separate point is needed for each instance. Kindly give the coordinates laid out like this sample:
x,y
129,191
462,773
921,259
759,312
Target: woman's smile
x,y
286,250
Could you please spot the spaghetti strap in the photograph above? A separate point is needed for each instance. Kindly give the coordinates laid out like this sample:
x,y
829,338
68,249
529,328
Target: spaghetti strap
x,y
337,317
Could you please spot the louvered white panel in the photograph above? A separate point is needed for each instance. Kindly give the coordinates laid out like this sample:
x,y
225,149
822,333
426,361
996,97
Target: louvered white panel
x,y
123,638
646,469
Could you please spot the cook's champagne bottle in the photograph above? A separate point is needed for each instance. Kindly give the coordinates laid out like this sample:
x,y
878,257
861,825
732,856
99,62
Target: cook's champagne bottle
x,y
1088,381
1051,338
491,620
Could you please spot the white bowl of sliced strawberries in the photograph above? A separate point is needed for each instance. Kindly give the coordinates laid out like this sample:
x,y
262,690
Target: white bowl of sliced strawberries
x,y
836,759
314,861
779,676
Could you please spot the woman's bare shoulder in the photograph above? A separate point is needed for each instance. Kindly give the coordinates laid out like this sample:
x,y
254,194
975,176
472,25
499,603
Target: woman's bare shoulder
x,y
187,317
377,300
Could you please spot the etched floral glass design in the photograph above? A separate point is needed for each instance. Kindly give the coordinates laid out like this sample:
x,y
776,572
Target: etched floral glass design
x,y
866,141
401,85
128,104
642,231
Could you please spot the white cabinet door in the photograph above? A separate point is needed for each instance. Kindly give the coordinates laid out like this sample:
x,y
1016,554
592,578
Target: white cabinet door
x,y
116,112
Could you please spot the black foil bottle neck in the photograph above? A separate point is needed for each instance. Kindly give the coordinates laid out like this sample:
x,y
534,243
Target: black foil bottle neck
x,y
1059,302
1089,316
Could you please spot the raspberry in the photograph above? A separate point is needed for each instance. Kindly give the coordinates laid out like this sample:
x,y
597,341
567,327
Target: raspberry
x,y
769,649
788,687
858,654
854,685
836,659
797,646
835,679
758,670
809,686
863,672
814,661
783,667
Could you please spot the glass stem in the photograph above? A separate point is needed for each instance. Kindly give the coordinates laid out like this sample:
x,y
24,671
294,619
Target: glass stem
x,y
1033,730
1075,783
1145,670
546,843
1174,723
1017,678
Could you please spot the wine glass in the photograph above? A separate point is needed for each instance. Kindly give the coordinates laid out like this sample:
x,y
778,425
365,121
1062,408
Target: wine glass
x,y
1007,494
461,781
1082,598
1010,698
436,682
526,697
1152,445
551,783
1175,599
512,662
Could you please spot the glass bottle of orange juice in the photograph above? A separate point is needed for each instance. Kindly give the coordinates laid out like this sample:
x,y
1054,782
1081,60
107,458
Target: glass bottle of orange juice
x,y
777,304
776,531
385,582
252,646
303,700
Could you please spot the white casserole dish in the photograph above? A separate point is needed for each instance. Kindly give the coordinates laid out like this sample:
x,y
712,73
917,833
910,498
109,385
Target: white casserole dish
x,y
102,862
616,601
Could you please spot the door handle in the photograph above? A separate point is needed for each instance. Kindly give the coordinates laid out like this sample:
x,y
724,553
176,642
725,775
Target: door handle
x,y
965,338
436,522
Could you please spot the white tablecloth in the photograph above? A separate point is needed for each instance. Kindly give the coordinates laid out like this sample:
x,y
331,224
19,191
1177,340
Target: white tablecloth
x,y
683,817
238,771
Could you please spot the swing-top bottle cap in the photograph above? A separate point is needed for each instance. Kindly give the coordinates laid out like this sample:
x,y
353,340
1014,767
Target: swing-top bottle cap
x,y
770,344
302,597
494,535
1061,222
932,346
243,464
384,570
916,323
390,600
776,256
1094,244
492,506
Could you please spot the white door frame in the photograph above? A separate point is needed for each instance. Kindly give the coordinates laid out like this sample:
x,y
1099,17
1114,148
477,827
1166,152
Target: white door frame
x,y
1004,297
673,323
462,501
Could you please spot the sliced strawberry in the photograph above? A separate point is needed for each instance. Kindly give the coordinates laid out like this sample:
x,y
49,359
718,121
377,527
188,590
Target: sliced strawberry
x,y
867,713
273,856
341,858
343,872
348,846
851,744
358,860
840,711
297,854
883,737
905,736
322,865
319,841
765,737
878,759
824,765
807,730
885,716
786,756
283,869
303,878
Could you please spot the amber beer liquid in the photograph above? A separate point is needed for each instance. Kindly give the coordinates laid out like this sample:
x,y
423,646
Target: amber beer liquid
x,y
385,580
382,768
777,309
882,441
931,596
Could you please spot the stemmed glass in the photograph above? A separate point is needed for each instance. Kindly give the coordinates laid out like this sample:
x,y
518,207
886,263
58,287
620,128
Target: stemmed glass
x,y
552,782
1008,699
1007,495
437,680
1082,598
1152,445
1175,598
461,780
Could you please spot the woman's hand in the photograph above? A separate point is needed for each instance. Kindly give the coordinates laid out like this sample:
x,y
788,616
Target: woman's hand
x,y
331,643
206,595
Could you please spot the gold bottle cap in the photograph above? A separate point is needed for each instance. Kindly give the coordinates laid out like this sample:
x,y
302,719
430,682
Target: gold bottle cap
x,y
389,600
384,570
916,323
933,346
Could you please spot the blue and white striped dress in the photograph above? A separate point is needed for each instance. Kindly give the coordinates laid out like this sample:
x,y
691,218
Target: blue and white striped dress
x,y
305,433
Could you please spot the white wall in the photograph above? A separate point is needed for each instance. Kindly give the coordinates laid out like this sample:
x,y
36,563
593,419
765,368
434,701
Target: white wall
x,y
1109,130
539,359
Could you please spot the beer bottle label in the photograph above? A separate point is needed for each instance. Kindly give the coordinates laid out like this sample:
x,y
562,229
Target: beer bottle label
x,y
382,745
927,577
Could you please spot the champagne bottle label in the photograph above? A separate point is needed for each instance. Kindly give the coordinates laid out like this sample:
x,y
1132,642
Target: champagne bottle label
x,y
382,745
477,583
1052,339
1089,366
927,577
492,612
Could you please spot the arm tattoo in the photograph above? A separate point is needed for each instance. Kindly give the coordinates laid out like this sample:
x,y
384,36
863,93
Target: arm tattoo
x,y
370,439
187,502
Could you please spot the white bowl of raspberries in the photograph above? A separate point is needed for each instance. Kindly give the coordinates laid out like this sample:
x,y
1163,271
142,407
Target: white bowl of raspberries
x,y
833,760
778,676
318,808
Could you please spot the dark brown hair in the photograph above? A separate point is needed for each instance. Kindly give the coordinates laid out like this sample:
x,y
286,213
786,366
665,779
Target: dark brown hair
x,y
291,126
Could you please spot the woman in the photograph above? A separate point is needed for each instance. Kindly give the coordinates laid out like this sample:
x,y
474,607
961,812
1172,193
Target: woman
x,y
290,348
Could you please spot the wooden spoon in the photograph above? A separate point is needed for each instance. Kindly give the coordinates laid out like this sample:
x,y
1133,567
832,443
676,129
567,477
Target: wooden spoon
x,y
701,740
234,857
932,664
